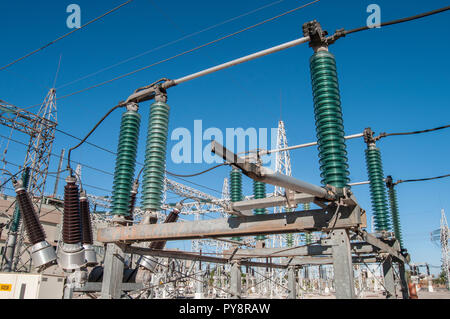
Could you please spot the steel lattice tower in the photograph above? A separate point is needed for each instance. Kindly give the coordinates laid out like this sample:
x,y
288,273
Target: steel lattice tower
x,y
41,129
282,165
41,143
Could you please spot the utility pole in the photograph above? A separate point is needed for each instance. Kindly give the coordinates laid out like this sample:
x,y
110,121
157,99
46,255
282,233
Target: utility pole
x,y
444,247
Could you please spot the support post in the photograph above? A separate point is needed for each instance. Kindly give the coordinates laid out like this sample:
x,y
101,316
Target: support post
x,y
389,282
292,283
112,272
342,263
235,281
68,292
403,280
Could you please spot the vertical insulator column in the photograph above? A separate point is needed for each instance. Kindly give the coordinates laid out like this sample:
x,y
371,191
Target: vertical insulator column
x,y
126,160
32,225
42,253
377,189
395,214
329,120
155,158
71,233
88,239
259,191
71,256
13,229
236,189
16,217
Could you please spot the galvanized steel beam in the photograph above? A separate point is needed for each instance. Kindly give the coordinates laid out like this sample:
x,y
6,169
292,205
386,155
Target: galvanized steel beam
x,y
312,220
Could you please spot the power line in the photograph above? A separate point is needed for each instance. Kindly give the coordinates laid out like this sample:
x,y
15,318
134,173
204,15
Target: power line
x,y
65,35
65,158
412,133
197,174
415,17
421,180
180,54
171,42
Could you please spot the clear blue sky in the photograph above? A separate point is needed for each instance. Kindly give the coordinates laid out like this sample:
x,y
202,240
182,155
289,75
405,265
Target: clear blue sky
x,y
393,79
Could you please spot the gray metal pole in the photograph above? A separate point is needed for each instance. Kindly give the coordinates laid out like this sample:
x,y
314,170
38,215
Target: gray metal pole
x,y
342,263
292,283
235,280
389,282
112,272
404,282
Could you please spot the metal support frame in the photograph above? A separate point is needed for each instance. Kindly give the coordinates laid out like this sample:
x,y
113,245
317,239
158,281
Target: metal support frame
x,y
236,280
292,283
403,280
312,220
388,275
113,272
266,175
342,263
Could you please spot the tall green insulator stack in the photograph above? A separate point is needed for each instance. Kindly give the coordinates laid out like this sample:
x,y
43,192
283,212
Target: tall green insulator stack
x,y
259,192
236,189
329,121
125,162
395,214
16,217
377,188
155,157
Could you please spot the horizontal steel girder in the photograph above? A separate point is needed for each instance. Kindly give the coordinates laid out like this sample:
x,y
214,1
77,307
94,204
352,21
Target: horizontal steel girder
x,y
195,257
297,261
311,220
311,250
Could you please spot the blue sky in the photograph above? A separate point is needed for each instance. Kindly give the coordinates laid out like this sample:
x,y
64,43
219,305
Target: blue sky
x,y
393,79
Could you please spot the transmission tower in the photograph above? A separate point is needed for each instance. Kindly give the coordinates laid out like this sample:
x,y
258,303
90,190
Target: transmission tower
x,y
41,143
444,247
41,129
283,166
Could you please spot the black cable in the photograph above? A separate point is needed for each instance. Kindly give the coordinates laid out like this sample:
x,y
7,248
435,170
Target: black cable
x,y
58,156
197,174
89,134
411,133
65,35
415,17
421,180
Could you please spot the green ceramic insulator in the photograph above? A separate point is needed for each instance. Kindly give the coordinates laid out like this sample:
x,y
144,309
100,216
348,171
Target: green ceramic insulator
x,y
125,162
308,238
290,240
236,189
329,121
16,217
155,157
377,188
259,192
395,214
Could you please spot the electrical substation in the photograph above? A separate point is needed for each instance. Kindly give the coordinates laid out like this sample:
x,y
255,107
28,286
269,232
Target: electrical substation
x,y
290,239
